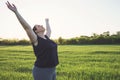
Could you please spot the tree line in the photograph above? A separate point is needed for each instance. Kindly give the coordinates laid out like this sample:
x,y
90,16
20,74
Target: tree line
x,y
104,38
14,42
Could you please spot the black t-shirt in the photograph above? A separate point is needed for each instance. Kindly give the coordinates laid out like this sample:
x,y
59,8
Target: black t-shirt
x,y
46,53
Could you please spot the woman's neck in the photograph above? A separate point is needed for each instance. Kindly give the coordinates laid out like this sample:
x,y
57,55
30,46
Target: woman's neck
x,y
41,35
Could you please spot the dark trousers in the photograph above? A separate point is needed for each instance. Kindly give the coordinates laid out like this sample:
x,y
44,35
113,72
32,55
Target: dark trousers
x,y
44,73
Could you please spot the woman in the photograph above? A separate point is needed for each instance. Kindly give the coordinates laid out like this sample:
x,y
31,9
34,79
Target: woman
x,y
45,49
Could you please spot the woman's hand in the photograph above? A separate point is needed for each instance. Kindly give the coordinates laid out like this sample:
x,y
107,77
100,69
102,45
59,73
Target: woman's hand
x,y
12,7
46,19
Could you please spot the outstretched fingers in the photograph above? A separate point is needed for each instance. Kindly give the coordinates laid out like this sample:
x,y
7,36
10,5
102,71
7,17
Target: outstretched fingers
x,y
12,7
8,4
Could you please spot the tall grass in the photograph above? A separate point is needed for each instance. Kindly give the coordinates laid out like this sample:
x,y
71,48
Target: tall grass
x,y
89,62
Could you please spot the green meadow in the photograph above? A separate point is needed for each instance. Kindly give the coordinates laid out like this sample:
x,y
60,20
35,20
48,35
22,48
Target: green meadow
x,y
76,62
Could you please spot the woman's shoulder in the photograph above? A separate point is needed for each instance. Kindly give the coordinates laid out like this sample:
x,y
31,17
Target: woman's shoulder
x,y
46,37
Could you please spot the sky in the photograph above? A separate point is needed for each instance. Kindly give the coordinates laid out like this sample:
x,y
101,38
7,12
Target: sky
x,y
67,18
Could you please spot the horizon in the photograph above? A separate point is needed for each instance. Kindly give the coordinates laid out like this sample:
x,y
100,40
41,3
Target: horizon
x,y
58,37
68,19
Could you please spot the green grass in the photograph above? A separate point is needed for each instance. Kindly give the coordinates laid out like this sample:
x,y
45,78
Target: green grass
x,y
87,62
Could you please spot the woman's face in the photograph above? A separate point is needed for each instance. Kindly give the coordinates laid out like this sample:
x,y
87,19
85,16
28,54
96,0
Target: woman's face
x,y
39,28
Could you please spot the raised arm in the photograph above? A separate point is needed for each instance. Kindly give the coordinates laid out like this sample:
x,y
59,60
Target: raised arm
x,y
25,25
48,29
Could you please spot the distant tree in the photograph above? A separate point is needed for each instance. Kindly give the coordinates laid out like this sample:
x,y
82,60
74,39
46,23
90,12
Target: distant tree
x,y
95,35
60,40
118,33
105,34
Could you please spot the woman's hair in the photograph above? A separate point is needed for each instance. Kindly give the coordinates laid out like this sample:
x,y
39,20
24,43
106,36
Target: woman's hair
x,y
34,29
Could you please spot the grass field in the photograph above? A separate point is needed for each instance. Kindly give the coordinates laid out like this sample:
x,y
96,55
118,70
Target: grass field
x,y
85,62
